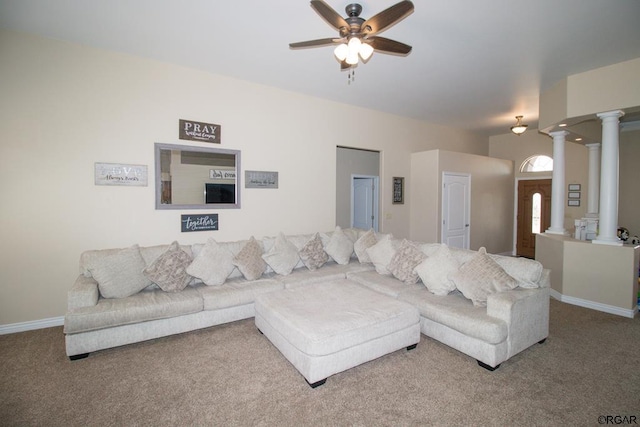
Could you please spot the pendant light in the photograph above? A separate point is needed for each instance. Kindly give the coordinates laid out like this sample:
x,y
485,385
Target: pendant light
x,y
519,128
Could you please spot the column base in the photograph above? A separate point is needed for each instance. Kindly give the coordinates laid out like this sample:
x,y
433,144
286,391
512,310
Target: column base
x,y
616,242
561,231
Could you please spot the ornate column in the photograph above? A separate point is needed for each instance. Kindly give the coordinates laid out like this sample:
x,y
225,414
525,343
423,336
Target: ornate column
x,y
557,184
593,198
608,225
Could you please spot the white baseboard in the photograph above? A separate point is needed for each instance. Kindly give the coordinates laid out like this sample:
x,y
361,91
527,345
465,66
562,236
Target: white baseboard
x,y
30,326
611,309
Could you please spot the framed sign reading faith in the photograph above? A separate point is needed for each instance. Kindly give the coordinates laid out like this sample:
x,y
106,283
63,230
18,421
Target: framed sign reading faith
x,y
398,190
203,222
120,174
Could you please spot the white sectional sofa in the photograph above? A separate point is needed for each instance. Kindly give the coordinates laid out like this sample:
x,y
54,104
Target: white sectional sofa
x,y
123,296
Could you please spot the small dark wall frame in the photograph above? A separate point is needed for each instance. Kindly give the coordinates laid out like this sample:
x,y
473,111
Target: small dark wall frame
x,y
398,190
198,222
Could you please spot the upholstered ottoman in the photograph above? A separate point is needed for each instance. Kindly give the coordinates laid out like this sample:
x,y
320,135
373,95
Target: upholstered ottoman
x,y
329,327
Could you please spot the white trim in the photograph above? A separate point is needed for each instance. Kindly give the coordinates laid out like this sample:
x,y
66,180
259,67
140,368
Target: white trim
x,y
611,309
31,325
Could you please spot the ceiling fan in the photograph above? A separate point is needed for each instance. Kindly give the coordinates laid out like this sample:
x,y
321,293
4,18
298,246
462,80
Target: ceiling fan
x,y
359,37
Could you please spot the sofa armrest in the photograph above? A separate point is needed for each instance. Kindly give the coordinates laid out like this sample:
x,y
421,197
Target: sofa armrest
x,y
84,293
526,312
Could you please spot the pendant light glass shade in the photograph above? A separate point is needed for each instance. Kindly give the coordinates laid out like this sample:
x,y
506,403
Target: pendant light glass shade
x,y
519,128
341,52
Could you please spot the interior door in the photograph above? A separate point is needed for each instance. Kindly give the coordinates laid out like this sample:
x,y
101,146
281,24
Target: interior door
x,y
364,203
456,210
534,214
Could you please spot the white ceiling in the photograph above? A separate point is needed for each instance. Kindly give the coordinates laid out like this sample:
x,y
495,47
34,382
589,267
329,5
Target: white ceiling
x,y
474,65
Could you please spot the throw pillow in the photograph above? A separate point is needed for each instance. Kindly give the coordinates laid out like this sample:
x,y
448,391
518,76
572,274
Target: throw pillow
x,y
169,270
434,271
480,277
381,253
361,245
120,275
339,247
213,264
283,256
312,253
405,260
249,260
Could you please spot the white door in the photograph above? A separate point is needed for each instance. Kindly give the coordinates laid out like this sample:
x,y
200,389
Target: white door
x,y
364,201
456,209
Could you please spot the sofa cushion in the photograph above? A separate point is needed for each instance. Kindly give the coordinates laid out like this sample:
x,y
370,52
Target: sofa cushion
x,y
363,243
213,264
339,246
283,256
119,275
249,260
458,313
480,277
169,270
381,254
526,271
312,253
235,292
143,306
405,260
387,285
330,271
434,271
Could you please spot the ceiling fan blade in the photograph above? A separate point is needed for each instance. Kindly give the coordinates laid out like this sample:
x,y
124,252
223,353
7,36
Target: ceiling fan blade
x,y
314,43
331,16
382,44
387,18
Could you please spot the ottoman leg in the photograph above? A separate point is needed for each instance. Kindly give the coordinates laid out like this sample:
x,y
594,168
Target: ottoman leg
x,y
317,383
411,347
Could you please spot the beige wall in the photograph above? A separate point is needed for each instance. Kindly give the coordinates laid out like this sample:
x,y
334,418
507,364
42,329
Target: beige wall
x,y
65,107
520,148
629,201
491,198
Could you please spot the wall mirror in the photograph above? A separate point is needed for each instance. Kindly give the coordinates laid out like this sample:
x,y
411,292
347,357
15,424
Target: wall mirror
x,y
189,177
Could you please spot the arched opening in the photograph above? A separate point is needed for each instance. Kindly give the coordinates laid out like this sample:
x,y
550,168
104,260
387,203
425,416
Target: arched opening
x,y
537,163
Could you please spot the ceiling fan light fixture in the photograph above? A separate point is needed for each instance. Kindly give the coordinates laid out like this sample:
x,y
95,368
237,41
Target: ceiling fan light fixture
x,y
366,50
354,49
519,128
341,52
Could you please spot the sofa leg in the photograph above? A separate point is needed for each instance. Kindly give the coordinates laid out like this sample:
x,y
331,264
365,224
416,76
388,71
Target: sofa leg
x,y
79,356
542,341
317,383
411,347
260,331
488,367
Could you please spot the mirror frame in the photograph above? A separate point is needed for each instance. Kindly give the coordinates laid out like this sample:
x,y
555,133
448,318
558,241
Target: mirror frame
x,y
158,174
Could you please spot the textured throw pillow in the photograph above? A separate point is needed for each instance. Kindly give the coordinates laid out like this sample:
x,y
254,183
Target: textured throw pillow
x,y
169,270
405,260
283,256
361,245
381,253
249,260
480,277
120,275
312,253
434,271
339,247
213,264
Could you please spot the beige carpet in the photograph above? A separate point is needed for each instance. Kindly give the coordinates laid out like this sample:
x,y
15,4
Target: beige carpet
x,y
232,375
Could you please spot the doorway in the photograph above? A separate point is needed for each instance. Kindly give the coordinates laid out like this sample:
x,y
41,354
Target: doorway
x,y
533,214
364,202
456,209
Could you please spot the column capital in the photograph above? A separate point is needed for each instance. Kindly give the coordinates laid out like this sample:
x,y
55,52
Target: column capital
x,y
593,146
559,133
608,114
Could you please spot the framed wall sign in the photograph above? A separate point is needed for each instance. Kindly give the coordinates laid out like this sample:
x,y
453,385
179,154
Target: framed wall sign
x,y
574,194
198,222
574,187
120,174
260,179
574,202
398,190
199,131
